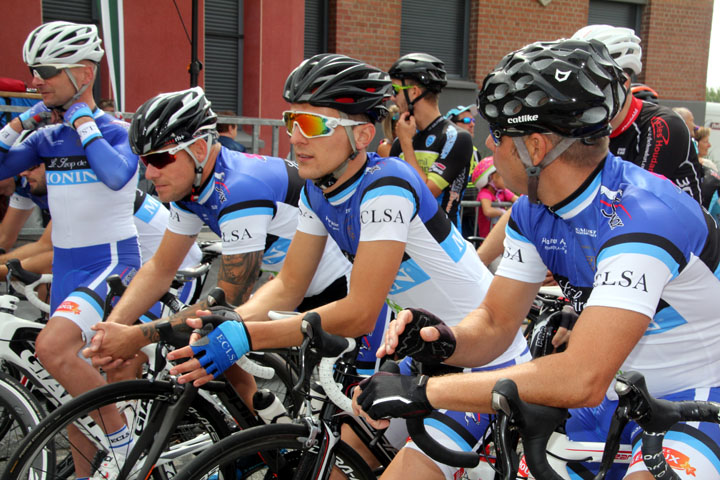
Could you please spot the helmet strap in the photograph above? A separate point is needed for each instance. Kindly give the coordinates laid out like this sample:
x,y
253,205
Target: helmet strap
x,y
78,90
533,171
411,104
329,179
200,166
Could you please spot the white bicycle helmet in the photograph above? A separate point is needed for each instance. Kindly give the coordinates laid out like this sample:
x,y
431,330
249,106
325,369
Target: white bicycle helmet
x,y
62,42
622,43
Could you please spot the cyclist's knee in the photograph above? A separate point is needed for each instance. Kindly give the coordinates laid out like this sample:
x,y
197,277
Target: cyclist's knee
x,y
410,463
59,339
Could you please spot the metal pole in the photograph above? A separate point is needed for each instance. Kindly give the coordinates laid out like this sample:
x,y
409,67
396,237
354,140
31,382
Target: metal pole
x,y
195,64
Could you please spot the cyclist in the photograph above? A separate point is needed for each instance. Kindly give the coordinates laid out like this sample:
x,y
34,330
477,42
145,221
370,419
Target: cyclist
x,y
250,201
645,133
647,291
381,214
434,146
91,176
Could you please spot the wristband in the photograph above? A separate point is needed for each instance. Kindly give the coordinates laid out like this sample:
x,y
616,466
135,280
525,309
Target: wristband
x,y
76,111
88,132
8,136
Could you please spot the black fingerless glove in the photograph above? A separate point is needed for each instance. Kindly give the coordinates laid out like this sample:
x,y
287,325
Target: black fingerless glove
x,y
386,395
410,343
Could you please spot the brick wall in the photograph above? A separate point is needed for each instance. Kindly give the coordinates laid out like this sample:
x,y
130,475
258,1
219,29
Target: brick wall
x,y
498,27
368,30
676,41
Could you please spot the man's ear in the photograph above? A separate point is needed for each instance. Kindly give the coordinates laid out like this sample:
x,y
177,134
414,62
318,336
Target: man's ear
x,y
538,145
364,134
199,148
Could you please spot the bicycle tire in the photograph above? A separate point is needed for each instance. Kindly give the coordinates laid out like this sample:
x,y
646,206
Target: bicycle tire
x,y
20,412
284,438
50,435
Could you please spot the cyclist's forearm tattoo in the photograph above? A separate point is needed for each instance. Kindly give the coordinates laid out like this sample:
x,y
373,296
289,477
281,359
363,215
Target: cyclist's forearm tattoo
x,y
177,321
239,273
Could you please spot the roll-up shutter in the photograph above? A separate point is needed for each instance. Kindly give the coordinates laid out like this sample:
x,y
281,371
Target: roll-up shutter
x,y
316,27
223,54
438,28
616,13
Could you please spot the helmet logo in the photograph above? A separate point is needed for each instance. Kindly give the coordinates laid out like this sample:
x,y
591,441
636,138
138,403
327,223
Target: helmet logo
x,y
561,76
523,118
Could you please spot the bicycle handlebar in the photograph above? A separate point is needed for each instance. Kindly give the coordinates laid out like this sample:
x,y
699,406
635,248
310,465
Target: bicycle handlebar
x,y
656,416
25,282
536,424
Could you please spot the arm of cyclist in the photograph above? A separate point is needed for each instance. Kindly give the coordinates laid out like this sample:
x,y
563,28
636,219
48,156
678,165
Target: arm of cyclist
x,y
110,158
374,270
12,223
17,158
492,247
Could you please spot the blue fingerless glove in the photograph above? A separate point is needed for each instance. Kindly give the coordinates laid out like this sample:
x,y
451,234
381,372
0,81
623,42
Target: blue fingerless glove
x,y
222,347
35,116
77,110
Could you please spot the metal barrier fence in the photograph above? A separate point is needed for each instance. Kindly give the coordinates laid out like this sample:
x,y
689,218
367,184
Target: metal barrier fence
x,y
256,123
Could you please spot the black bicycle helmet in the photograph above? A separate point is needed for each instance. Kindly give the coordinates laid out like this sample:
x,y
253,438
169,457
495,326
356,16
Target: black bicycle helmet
x,y
425,69
569,87
171,118
339,82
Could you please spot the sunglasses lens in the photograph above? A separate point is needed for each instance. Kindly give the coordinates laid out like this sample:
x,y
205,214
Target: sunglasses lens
x,y
44,71
468,120
158,160
310,125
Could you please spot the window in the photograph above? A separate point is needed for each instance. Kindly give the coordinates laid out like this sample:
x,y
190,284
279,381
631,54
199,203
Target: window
x,y
616,13
223,54
438,28
316,27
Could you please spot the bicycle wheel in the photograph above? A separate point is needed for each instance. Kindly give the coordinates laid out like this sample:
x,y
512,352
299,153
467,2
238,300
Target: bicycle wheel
x,y
19,413
278,450
144,404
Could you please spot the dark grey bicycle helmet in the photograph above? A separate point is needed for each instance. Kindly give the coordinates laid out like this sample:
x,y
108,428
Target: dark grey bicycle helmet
x,y
425,69
339,82
569,87
171,119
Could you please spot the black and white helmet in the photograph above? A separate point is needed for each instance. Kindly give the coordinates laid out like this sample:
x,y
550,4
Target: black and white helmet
x,y
569,87
62,42
425,69
171,118
339,82
622,43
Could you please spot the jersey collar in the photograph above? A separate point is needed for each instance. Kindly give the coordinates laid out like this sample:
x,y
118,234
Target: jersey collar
x,y
582,197
635,106
348,187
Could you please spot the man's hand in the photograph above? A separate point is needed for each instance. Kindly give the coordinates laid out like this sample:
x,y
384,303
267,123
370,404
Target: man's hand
x,y
406,127
36,116
212,354
419,334
112,345
76,111
386,395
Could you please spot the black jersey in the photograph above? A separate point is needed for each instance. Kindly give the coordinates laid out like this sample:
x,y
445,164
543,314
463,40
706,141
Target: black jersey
x,y
657,139
444,153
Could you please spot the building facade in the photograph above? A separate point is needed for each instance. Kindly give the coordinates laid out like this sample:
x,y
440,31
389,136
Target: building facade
x,y
248,47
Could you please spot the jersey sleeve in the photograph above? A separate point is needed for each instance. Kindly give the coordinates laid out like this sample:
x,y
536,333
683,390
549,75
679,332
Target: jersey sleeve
x,y
20,202
670,153
183,222
454,159
520,260
110,156
485,193
308,221
632,276
386,210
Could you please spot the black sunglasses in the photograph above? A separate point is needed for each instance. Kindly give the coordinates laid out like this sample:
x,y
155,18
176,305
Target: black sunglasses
x,y
48,71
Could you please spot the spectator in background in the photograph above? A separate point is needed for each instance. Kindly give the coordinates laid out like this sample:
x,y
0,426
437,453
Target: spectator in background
x,y
228,132
388,125
492,189
701,135
108,105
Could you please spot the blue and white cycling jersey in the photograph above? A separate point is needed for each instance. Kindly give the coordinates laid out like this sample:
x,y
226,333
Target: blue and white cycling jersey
x,y
22,199
251,202
630,239
387,200
84,185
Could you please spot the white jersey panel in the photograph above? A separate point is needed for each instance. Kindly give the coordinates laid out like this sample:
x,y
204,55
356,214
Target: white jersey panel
x,y
20,202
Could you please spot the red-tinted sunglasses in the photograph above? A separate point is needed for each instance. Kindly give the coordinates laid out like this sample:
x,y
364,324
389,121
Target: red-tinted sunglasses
x,y
158,160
